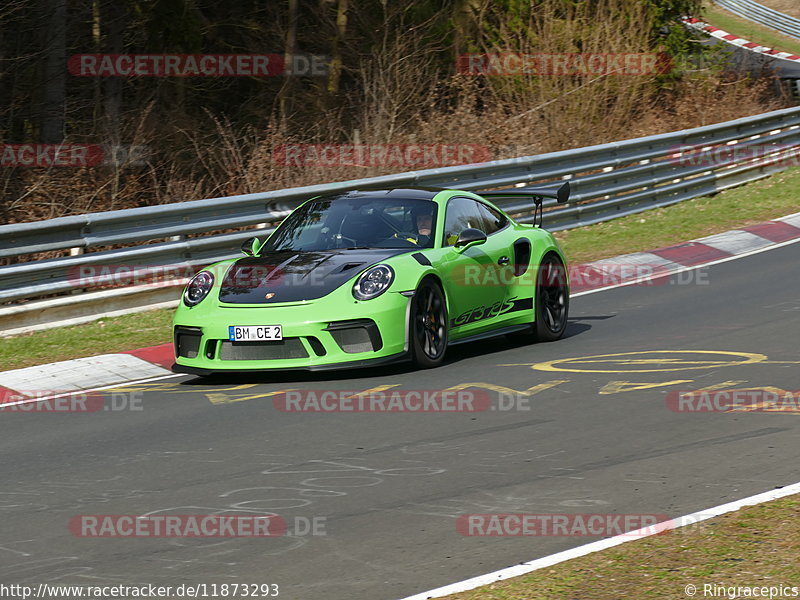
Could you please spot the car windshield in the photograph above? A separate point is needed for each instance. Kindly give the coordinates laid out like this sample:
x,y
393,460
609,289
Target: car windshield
x,y
352,222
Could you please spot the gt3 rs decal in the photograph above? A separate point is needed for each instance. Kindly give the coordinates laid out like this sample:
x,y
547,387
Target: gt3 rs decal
x,y
487,312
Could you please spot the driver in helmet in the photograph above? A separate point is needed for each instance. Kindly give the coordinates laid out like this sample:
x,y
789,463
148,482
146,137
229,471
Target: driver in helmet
x,y
422,217
421,225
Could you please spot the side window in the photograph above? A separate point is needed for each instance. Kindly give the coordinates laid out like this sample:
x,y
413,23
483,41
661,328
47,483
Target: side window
x,y
462,213
493,220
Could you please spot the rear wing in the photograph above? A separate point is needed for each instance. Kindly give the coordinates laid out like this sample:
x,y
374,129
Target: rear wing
x,y
559,194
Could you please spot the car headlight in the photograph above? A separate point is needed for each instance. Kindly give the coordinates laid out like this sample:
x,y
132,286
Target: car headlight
x,y
373,282
198,288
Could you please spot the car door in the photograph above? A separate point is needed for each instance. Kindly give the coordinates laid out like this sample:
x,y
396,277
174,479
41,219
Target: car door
x,y
475,278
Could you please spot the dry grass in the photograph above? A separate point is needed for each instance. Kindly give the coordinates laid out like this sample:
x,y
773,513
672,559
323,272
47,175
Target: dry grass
x,y
403,98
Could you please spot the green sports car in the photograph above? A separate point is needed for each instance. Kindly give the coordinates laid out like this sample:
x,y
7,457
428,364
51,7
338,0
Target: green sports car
x,y
368,277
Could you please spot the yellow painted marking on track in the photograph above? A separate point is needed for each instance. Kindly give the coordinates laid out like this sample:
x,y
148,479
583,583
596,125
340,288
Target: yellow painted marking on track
x,y
531,391
615,387
178,388
244,386
223,398
629,359
149,387
659,361
226,398
375,390
720,386
783,362
227,389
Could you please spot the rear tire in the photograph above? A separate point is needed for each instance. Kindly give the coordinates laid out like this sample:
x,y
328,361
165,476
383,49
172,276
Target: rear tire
x,y
552,300
428,326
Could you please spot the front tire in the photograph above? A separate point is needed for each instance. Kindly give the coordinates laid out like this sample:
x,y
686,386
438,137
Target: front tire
x,y
429,326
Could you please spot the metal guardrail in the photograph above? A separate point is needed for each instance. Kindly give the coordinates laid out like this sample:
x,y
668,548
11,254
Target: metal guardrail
x,y
763,15
608,181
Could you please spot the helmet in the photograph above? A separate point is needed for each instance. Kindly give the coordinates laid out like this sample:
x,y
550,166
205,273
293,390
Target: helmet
x,y
422,209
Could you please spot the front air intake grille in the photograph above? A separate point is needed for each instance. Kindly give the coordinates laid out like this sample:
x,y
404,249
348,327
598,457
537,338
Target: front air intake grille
x,y
187,341
356,335
353,340
286,348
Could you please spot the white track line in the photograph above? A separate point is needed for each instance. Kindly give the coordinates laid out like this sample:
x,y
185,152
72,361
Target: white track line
x,y
554,559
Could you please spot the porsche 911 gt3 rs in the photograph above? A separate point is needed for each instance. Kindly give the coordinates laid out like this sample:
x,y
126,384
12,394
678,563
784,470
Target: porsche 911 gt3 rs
x,y
368,277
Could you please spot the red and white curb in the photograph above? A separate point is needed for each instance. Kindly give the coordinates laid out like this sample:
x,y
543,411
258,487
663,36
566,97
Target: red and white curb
x,y
554,559
738,41
629,269
41,382
83,374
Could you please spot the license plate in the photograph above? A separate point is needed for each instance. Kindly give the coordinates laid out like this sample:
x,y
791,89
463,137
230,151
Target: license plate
x,y
255,333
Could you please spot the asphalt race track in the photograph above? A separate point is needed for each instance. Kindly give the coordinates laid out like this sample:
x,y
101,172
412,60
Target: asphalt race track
x,y
585,433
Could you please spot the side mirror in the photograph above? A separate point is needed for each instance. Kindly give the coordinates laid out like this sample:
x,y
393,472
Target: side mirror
x,y
469,238
251,246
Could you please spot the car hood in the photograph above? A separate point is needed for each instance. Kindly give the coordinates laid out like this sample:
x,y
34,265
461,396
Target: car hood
x,y
290,276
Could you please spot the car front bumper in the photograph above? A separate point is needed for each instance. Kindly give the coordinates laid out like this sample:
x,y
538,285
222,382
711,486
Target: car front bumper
x,y
321,334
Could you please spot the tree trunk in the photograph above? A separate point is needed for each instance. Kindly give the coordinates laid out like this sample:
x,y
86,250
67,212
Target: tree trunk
x,y
335,68
285,103
114,22
55,71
